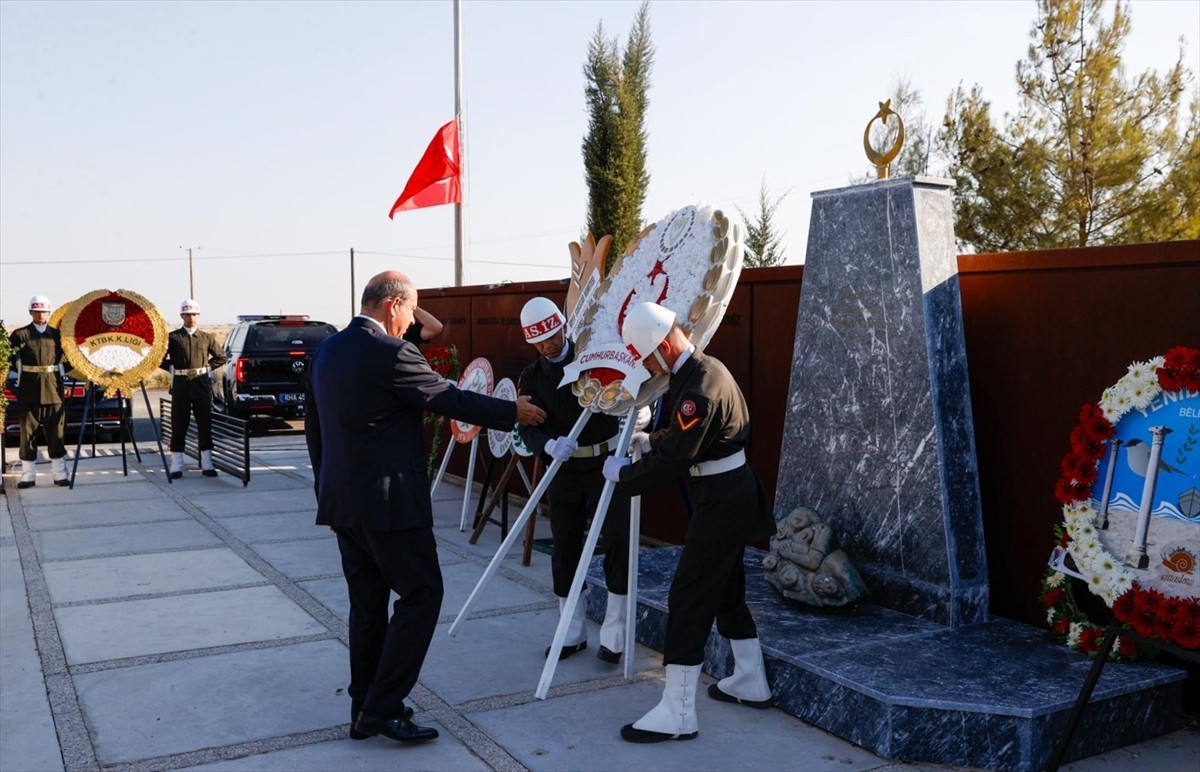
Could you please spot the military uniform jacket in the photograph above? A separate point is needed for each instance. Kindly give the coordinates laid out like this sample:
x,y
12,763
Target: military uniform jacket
x,y
709,420
38,349
189,352
540,381
365,432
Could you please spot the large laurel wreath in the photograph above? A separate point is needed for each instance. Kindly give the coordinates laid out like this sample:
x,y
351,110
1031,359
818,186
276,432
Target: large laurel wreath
x,y
143,330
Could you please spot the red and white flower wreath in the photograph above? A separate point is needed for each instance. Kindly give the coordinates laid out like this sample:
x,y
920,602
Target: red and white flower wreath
x,y
1146,611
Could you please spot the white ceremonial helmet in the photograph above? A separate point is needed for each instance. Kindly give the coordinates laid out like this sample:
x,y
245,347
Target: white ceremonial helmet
x,y
540,319
39,303
646,326
189,306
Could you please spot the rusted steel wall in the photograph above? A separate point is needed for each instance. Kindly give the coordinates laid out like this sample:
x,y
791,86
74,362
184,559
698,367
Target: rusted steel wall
x,y
1046,332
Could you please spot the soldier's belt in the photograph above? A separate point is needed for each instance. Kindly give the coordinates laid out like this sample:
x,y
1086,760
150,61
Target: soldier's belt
x,y
601,449
39,368
727,464
192,371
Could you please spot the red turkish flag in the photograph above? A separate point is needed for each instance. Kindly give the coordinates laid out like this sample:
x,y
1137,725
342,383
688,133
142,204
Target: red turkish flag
x,y
436,179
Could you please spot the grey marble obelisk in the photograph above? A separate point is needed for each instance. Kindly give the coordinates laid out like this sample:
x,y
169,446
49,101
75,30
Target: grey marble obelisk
x,y
878,436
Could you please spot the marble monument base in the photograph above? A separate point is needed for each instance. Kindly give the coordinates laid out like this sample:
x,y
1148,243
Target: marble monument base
x,y
994,694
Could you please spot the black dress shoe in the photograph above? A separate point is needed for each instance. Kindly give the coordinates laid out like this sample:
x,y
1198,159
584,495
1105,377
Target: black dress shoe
x,y
209,473
23,484
630,734
399,729
356,708
62,483
176,475
609,656
715,692
567,651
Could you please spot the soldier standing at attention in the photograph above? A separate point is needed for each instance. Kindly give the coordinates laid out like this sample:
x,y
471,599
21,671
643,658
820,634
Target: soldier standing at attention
x,y
38,356
191,354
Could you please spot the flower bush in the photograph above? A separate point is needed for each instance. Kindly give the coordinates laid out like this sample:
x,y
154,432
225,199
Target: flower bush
x,y
1146,611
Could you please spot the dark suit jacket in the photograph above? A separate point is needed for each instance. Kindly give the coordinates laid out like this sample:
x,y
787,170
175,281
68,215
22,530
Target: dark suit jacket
x,y
363,425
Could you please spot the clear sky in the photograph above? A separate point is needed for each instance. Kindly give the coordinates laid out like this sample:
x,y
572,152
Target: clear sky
x,y
271,137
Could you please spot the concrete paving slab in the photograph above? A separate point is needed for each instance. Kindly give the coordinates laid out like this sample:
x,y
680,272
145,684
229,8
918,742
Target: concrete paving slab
x,y
260,480
332,594
127,489
460,579
6,529
506,654
298,559
175,707
486,546
282,525
56,516
27,737
159,572
582,732
347,755
179,623
249,501
122,539
1175,752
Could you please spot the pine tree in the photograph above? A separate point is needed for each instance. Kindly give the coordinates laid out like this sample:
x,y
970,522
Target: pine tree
x,y
762,241
614,150
1092,157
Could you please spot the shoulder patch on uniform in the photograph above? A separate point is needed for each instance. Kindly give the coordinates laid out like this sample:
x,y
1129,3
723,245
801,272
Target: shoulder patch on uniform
x,y
691,412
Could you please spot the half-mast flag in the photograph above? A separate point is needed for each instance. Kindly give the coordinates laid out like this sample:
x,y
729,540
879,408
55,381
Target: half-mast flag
x,y
436,179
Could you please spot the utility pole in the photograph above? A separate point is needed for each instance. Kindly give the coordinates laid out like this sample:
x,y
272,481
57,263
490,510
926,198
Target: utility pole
x,y
191,274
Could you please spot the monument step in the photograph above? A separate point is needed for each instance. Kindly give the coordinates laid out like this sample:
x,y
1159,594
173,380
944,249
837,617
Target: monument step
x,y
994,694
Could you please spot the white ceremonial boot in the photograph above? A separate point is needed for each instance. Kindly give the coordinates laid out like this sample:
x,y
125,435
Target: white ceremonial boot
x,y
674,717
612,632
28,474
176,465
58,469
748,684
206,464
576,640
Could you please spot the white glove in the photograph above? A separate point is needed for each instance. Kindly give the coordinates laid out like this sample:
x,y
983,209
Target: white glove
x,y
642,419
613,466
561,448
640,440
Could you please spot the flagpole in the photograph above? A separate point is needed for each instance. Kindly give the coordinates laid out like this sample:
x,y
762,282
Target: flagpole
x,y
458,208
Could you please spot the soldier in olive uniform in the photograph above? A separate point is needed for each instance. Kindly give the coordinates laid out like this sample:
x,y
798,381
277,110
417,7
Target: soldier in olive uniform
x,y
191,354
706,438
38,356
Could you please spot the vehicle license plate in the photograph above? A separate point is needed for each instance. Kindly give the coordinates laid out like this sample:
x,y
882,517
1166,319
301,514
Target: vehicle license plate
x,y
291,397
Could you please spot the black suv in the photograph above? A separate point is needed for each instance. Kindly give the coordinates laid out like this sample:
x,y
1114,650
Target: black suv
x,y
268,365
105,414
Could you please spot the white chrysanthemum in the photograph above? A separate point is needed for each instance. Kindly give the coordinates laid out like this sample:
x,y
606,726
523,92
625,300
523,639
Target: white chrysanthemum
x,y
1087,531
1056,579
1049,616
1122,581
1157,362
1073,634
1107,593
1141,395
1095,580
1106,563
1138,371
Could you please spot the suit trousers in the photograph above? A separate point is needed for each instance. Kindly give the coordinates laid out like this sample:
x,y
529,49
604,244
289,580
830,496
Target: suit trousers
x,y
53,420
574,493
386,656
182,408
709,583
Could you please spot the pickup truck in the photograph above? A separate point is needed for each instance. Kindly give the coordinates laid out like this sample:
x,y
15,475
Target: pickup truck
x,y
268,359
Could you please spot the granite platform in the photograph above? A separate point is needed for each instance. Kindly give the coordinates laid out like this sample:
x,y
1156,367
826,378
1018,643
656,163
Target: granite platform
x,y
994,694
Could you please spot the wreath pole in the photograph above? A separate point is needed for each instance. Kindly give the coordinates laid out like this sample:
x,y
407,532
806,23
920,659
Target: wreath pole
x,y
157,435
87,410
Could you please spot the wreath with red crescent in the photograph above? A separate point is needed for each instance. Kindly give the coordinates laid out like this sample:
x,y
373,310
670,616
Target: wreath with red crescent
x,y
113,338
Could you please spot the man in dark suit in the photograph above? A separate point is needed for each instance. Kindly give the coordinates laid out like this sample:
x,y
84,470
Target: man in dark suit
x,y
368,389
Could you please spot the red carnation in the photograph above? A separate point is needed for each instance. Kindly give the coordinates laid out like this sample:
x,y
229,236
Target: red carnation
x,y
1170,379
1061,626
1186,632
1085,444
1093,422
1053,597
1164,621
1126,646
1123,606
1089,639
1078,467
1181,367
1070,491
